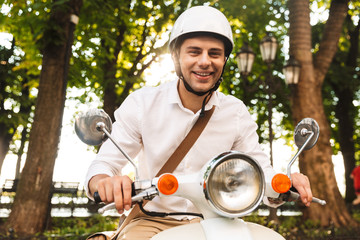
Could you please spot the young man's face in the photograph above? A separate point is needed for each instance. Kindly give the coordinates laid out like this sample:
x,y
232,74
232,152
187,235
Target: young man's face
x,y
202,60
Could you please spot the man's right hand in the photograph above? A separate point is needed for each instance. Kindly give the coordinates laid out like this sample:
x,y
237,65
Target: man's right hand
x,y
113,189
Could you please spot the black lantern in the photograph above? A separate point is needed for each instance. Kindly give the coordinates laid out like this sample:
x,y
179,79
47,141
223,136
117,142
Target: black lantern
x,y
291,71
268,46
245,59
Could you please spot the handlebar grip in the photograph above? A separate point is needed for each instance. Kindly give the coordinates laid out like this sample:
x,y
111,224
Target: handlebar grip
x,y
319,201
97,197
294,196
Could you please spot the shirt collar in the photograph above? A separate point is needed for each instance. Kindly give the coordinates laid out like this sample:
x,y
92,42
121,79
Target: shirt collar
x,y
174,97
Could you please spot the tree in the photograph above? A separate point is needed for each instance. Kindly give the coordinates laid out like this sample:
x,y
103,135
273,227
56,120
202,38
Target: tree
x,y
19,73
31,204
301,46
7,130
250,22
307,101
128,35
342,84
127,42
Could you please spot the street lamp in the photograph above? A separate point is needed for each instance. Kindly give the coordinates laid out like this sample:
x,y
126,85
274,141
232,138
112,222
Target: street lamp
x,y
291,71
245,59
268,46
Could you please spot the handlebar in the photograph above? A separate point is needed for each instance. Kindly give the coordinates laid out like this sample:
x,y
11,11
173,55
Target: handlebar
x,y
97,197
294,196
147,194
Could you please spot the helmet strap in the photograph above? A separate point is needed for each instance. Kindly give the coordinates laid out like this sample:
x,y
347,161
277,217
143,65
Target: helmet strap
x,y
202,112
189,88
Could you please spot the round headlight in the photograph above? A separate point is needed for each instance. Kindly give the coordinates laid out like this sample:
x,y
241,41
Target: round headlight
x,y
234,184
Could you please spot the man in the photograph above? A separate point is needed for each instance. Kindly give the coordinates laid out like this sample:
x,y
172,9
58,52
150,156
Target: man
x,y
355,175
152,122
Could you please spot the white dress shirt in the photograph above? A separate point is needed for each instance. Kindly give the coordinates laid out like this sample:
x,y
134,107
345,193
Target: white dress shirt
x,y
152,122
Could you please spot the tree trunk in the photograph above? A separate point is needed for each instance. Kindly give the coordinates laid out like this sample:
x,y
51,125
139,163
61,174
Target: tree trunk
x,y
20,152
25,109
110,67
307,102
31,204
7,130
345,110
5,139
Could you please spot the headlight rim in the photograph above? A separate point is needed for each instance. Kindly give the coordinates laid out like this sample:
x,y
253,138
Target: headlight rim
x,y
208,173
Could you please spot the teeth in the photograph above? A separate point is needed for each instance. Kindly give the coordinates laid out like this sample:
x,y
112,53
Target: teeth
x,y
203,74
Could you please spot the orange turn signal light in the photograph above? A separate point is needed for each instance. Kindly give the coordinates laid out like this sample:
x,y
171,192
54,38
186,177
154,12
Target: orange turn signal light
x,y
168,184
281,183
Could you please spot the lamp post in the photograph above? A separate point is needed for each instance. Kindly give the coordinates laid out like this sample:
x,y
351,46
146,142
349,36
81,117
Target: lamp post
x,y
268,47
245,59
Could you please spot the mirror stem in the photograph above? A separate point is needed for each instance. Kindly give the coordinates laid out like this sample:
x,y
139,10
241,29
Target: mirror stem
x,y
304,132
100,126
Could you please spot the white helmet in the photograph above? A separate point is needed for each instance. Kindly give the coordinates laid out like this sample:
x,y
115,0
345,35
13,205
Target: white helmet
x,y
203,19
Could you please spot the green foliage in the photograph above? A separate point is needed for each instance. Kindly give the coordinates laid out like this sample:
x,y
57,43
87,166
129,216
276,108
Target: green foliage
x,y
341,88
116,49
291,227
250,22
15,97
26,21
73,228
295,227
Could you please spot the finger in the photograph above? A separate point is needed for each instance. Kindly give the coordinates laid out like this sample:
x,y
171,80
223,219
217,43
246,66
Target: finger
x,y
101,190
302,185
109,193
307,189
304,196
127,189
118,192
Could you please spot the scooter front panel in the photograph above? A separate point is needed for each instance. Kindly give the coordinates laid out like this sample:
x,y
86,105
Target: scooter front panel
x,y
261,232
219,228
225,228
191,231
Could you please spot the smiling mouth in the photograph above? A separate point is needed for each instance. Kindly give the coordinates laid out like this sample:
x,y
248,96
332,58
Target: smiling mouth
x,y
202,74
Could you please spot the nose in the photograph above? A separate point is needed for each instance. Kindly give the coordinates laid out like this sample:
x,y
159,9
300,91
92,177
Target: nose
x,y
204,60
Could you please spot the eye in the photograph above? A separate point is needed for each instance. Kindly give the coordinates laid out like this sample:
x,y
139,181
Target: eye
x,y
215,54
194,52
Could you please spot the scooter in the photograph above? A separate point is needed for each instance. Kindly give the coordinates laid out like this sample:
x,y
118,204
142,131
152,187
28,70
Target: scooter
x,y
228,187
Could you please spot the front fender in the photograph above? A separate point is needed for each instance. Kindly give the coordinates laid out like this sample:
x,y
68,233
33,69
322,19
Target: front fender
x,y
219,228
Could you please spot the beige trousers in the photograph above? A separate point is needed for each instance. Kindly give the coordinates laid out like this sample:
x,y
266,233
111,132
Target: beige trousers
x,y
144,227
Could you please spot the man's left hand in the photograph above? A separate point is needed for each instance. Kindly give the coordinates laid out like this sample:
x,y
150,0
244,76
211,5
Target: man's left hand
x,y
302,185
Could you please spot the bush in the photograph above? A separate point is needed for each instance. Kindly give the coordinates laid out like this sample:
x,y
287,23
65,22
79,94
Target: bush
x,y
290,227
72,228
295,228
75,228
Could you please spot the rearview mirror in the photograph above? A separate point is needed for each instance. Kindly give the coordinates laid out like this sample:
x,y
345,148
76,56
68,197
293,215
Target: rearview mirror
x,y
87,124
302,130
306,135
